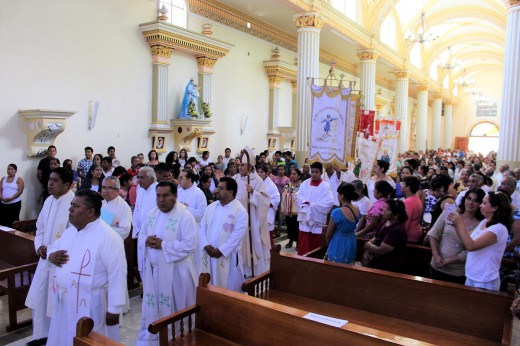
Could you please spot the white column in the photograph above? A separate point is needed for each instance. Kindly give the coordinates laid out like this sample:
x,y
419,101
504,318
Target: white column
x,y
160,60
309,26
274,96
367,80
448,122
401,108
205,66
422,114
509,140
436,126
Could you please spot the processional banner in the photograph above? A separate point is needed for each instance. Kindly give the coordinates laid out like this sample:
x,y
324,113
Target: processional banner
x,y
367,149
366,123
388,132
334,122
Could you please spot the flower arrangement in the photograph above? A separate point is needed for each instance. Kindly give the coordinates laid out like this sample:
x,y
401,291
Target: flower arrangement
x,y
205,110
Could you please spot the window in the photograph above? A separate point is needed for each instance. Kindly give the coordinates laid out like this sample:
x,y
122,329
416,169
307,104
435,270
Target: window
x,y
177,13
347,7
388,31
484,129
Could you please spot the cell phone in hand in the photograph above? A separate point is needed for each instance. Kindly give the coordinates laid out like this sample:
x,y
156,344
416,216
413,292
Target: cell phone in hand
x,y
449,208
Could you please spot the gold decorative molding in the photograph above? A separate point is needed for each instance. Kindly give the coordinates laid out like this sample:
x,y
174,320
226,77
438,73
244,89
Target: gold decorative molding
x,y
513,3
422,88
173,37
280,68
42,128
294,86
308,20
365,55
274,81
401,74
161,51
186,130
205,64
448,102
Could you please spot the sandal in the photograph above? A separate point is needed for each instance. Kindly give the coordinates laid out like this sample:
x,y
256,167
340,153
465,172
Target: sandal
x,y
289,244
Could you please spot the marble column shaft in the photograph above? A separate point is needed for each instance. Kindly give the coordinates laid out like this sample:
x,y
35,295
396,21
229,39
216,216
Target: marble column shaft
x,y
509,140
401,108
367,80
422,114
309,26
436,126
448,123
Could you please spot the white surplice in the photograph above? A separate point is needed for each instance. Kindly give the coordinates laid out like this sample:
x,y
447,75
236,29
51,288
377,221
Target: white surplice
x,y
259,206
51,223
145,201
274,195
169,275
224,227
314,203
91,283
120,214
334,182
194,199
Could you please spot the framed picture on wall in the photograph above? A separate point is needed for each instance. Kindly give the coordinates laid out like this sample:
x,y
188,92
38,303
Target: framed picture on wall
x,y
272,143
203,143
158,143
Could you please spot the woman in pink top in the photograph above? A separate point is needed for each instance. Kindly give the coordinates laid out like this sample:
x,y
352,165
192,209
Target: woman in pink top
x,y
414,209
382,191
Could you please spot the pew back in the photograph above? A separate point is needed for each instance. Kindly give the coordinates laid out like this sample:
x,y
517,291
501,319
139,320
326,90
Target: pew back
x,y
447,306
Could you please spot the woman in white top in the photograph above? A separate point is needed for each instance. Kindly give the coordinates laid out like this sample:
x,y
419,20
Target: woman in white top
x,y
380,169
486,244
11,189
363,203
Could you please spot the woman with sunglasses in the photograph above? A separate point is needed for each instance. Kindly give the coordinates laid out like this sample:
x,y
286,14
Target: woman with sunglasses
x,y
386,250
448,251
486,244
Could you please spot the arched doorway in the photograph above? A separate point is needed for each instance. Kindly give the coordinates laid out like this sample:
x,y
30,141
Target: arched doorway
x,y
483,137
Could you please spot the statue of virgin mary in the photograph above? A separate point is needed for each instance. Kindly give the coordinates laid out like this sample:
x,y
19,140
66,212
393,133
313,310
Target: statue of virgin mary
x,y
190,102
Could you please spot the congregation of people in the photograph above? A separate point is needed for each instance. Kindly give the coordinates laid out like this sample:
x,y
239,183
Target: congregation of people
x,y
190,215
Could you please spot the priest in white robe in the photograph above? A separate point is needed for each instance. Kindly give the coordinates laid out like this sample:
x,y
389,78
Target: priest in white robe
x,y
222,229
274,196
90,273
259,206
314,201
169,275
190,195
52,222
115,211
145,201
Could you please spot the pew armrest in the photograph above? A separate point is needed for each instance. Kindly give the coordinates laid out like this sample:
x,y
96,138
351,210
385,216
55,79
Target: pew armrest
x,y
17,270
86,337
258,285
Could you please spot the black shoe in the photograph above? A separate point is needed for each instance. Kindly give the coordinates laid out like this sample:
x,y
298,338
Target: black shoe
x,y
37,342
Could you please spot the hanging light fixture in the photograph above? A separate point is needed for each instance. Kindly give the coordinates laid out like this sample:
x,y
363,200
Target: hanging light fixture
x,y
464,81
451,63
422,35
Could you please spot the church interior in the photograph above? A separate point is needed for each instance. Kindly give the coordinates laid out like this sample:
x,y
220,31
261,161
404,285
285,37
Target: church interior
x,y
114,72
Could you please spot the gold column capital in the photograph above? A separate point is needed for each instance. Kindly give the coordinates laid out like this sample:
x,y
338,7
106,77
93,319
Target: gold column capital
x,y
437,96
274,81
422,88
205,64
365,55
294,86
403,74
161,54
513,3
308,20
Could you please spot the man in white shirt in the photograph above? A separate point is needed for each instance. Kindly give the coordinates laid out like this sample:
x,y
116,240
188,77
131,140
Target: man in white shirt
x,y
115,211
223,227
227,156
508,185
190,195
90,273
107,166
169,274
145,201
51,223
475,181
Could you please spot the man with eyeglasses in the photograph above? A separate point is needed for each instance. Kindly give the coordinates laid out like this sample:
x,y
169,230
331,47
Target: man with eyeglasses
x,y
115,211
145,201
222,229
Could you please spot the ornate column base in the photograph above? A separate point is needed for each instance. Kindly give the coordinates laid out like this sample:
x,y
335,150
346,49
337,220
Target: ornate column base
x,y
186,130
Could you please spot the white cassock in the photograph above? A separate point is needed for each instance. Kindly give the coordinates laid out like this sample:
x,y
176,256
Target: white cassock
x,y
312,216
259,202
348,176
224,227
169,275
274,195
51,223
195,201
145,201
334,182
118,215
91,283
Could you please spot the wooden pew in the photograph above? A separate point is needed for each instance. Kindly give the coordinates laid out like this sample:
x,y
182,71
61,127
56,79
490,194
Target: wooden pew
x,y
223,317
18,261
422,309
86,337
26,226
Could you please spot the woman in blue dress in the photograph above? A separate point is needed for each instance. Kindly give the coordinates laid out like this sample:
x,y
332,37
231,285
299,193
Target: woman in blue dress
x,y
340,231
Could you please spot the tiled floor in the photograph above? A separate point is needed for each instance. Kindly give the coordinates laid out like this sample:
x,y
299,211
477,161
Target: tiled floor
x,y
131,320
